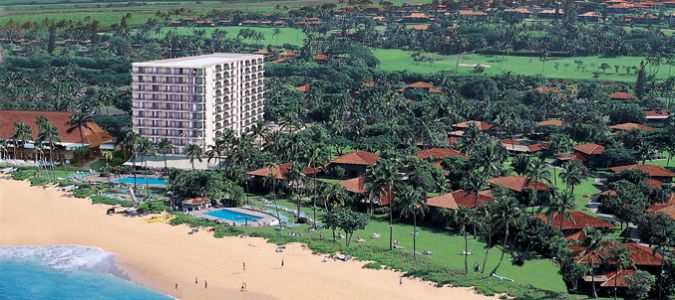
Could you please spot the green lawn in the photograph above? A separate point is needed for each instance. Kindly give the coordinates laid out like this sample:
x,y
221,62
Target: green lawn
x,y
447,248
582,192
399,60
286,35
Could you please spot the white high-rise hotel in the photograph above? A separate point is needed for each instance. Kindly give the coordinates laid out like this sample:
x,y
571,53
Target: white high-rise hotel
x,y
193,99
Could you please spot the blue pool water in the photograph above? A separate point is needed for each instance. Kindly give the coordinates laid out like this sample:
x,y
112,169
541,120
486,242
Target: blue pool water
x,y
142,180
233,216
64,272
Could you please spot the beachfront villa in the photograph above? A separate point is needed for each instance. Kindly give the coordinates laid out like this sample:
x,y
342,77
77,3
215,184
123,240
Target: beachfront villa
x,y
192,100
71,137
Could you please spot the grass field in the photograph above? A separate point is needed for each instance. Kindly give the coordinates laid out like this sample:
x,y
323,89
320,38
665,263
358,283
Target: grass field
x,y
286,35
108,13
563,68
447,249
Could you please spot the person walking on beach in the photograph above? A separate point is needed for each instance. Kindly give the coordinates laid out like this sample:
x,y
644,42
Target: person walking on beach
x,y
243,287
243,266
400,282
176,284
282,263
196,280
206,284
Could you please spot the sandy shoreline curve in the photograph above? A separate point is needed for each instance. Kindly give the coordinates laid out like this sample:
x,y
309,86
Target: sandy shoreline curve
x,y
157,255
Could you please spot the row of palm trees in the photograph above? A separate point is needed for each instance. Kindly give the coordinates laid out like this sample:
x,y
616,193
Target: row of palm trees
x,y
47,139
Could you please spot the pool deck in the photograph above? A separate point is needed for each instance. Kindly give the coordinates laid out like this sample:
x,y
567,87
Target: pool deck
x,y
266,220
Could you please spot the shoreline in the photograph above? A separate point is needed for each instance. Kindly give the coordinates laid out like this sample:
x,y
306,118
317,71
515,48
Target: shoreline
x,y
157,255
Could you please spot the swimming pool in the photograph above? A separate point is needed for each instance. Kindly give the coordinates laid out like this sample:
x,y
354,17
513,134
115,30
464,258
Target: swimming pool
x,y
142,180
233,216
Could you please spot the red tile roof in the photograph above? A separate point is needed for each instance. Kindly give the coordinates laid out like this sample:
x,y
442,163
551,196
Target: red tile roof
x,y
438,153
459,198
620,280
621,96
288,53
464,12
354,185
357,185
419,27
667,207
420,85
361,158
196,201
631,126
639,255
279,171
262,51
589,149
546,89
368,84
517,147
303,88
551,122
320,57
574,155
434,90
482,126
93,135
576,221
518,183
652,171
656,115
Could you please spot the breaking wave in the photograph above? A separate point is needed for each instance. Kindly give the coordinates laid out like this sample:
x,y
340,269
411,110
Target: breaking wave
x,y
65,258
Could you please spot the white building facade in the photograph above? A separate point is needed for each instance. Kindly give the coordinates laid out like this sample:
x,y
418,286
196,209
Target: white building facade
x,y
194,99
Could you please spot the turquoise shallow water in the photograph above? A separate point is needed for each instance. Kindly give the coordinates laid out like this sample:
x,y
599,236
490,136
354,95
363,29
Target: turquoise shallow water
x,y
64,272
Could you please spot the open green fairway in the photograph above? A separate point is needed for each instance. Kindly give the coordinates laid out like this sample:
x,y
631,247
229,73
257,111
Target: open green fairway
x,y
110,12
563,68
286,35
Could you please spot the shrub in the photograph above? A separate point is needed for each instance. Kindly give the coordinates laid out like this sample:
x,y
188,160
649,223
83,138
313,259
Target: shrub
x,y
98,199
152,207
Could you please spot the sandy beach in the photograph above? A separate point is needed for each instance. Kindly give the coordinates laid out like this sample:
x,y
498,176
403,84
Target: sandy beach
x,y
157,255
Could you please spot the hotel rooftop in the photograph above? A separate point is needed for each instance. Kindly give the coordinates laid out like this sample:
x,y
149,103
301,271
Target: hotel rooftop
x,y
197,61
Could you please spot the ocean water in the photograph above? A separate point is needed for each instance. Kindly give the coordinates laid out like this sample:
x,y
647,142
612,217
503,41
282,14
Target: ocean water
x,y
65,272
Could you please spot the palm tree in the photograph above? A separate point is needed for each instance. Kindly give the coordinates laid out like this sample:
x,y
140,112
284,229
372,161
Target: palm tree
x,y
272,179
260,132
295,178
413,202
333,194
215,151
49,136
79,120
3,148
163,147
380,180
465,216
144,149
22,133
506,215
316,156
560,205
131,147
573,174
472,183
193,152
592,246
484,218
622,260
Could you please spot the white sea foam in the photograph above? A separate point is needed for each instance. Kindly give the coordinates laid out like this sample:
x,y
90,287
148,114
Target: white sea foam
x,y
65,257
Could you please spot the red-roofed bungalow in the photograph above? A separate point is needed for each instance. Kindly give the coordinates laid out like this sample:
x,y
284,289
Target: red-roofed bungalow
x,y
357,186
653,172
70,138
354,164
518,183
